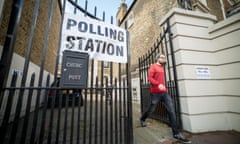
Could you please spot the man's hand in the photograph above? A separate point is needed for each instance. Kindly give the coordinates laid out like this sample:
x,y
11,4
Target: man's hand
x,y
161,87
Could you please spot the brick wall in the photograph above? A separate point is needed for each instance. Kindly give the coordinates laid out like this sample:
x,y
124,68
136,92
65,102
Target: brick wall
x,y
215,9
121,12
4,22
22,39
145,29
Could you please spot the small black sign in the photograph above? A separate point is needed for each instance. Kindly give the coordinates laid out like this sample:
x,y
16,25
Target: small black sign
x,y
74,70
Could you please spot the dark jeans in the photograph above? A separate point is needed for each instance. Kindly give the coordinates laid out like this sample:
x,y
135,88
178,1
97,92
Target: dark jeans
x,y
167,101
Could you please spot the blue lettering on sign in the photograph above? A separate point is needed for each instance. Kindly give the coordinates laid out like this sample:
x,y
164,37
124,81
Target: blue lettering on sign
x,y
91,28
71,23
94,45
82,27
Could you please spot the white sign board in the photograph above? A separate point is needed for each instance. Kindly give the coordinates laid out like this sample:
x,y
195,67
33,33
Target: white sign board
x,y
202,72
100,40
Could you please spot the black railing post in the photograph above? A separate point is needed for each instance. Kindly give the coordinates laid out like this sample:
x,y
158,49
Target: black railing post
x,y
7,113
174,72
129,93
146,60
9,43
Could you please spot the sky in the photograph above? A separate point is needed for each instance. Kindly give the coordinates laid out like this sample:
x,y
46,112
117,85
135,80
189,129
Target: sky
x,y
110,7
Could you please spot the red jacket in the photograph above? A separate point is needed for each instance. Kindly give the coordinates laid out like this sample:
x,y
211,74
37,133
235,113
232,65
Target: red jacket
x,y
156,77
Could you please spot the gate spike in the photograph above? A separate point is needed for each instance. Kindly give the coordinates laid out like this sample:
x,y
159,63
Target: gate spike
x,y
95,11
103,17
86,3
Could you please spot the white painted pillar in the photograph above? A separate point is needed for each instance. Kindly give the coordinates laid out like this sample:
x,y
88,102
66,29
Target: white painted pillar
x,y
207,64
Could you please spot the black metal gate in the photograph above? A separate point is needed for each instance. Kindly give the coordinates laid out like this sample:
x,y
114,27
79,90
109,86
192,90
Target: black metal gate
x,y
34,109
163,45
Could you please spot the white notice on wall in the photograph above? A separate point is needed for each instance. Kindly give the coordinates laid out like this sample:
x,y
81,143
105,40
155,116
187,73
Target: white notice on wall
x,y
202,72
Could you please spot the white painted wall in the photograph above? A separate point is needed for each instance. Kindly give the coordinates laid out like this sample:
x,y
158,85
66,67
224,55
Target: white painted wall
x,y
207,103
18,64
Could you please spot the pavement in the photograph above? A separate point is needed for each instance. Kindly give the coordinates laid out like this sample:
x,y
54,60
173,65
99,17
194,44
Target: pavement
x,y
160,133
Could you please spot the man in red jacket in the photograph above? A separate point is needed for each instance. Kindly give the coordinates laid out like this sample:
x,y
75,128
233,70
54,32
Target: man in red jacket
x,y
159,93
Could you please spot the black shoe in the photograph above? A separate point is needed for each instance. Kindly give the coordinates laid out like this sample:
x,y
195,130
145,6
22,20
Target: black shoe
x,y
143,124
181,138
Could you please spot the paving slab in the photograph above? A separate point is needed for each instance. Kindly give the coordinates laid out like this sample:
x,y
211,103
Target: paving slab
x,y
160,133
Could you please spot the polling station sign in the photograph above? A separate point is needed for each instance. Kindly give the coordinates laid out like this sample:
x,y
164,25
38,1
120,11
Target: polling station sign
x,y
100,40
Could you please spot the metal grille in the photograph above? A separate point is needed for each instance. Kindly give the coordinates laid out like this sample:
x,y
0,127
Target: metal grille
x,y
162,45
43,112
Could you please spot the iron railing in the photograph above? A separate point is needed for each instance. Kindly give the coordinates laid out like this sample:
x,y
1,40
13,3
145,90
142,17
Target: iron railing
x,y
37,111
163,45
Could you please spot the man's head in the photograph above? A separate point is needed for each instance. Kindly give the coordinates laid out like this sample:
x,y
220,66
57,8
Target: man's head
x,y
160,59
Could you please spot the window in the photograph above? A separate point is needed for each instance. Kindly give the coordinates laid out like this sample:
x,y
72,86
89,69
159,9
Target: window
x,y
231,7
185,4
130,20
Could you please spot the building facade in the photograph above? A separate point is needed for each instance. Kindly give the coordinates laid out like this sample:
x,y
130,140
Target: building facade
x,y
37,40
204,37
142,19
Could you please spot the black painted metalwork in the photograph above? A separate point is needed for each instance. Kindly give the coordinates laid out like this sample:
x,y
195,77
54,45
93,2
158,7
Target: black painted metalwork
x,y
38,110
163,45
185,4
